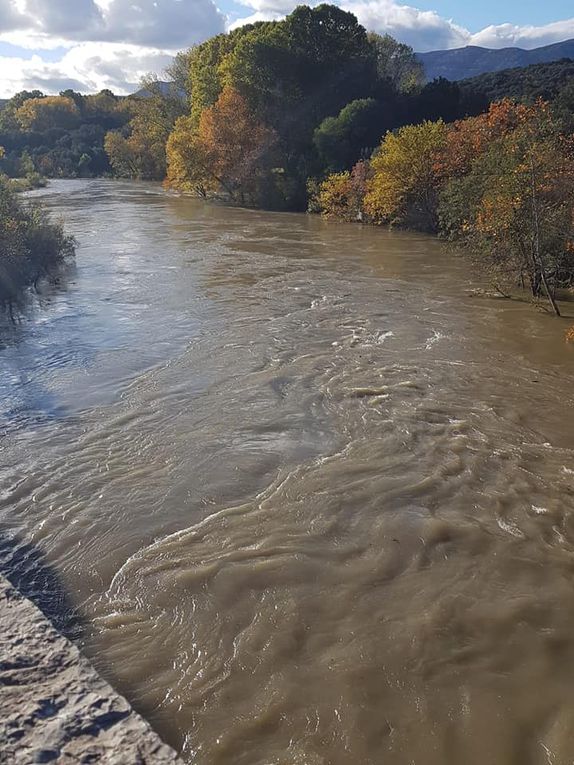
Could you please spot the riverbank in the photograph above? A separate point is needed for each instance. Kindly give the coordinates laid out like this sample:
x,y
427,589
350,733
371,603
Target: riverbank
x,y
31,246
54,707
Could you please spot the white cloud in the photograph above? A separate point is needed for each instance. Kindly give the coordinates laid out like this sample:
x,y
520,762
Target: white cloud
x,y
269,8
257,16
424,30
88,67
157,23
110,43
166,23
509,35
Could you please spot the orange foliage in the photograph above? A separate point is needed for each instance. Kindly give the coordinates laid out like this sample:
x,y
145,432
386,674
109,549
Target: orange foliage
x,y
570,335
229,150
471,137
235,142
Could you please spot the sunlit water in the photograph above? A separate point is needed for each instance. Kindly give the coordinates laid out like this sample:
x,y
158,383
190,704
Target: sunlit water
x,y
313,499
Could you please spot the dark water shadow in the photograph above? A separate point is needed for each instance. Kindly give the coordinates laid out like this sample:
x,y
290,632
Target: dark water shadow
x,y
25,567
15,316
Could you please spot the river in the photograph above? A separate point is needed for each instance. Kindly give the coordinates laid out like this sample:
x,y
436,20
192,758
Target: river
x,y
313,499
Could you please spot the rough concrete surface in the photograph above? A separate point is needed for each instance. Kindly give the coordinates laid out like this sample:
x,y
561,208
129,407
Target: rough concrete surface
x,y
54,707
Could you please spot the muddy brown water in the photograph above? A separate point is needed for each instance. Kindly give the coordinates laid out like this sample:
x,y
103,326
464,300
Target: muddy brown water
x,y
314,500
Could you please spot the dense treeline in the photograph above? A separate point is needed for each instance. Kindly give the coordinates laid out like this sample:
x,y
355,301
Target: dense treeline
x,y
530,83
275,104
72,135
59,136
550,82
500,184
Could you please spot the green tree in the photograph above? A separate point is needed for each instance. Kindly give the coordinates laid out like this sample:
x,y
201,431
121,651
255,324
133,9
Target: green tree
x,y
179,72
397,63
340,141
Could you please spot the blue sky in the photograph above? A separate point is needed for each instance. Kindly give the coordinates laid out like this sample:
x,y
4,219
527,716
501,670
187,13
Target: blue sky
x,y
92,44
477,14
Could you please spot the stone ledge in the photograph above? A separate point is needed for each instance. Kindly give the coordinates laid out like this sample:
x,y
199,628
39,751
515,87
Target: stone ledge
x,y
54,707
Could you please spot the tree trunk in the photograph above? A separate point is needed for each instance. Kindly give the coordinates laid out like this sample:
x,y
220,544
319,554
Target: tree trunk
x,y
536,248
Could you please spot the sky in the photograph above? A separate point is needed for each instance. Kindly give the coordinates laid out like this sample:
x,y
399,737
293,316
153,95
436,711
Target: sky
x,y
88,45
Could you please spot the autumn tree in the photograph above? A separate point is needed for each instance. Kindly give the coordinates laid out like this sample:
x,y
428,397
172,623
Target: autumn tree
x,y
139,149
341,195
514,209
49,112
8,119
230,151
404,183
469,138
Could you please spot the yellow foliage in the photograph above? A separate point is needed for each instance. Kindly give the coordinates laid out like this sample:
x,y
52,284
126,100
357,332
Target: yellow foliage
x,y
187,162
404,176
334,195
341,195
49,112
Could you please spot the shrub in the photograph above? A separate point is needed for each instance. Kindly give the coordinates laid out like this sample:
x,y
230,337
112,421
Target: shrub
x,y
341,195
31,247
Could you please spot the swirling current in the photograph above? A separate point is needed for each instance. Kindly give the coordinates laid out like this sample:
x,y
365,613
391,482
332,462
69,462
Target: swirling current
x,y
311,496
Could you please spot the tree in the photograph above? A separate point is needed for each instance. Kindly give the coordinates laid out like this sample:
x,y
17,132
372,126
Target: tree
x,y
179,72
404,184
49,112
8,119
397,63
340,141
469,138
341,195
230,151
31,247
206,63
439,99
514,210
121,155
139,150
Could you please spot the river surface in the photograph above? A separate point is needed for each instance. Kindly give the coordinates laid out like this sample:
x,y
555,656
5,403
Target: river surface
x,y
313,499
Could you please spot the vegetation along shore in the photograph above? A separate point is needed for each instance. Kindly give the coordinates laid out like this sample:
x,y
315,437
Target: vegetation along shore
x,y
315,113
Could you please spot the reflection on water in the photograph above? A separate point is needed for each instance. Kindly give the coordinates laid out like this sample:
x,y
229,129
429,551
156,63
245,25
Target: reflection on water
x,y
313,499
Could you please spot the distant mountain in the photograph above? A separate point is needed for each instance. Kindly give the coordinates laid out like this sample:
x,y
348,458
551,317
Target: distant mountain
x,y
462,63
165,88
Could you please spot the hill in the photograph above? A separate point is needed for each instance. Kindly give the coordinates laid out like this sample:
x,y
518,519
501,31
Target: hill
x,y
471,61
545,81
